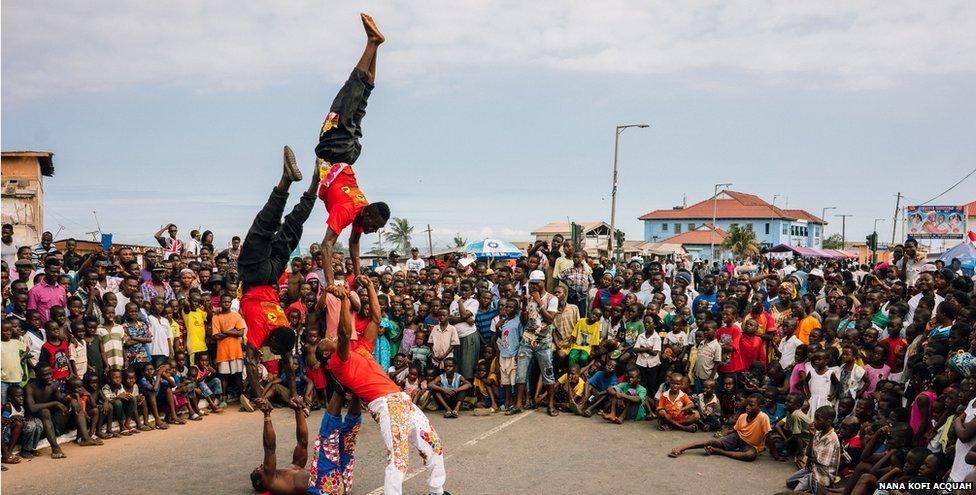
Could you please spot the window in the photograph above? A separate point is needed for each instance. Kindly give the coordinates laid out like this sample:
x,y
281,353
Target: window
x,y
767,228
691,226
786,228
677,228
664,227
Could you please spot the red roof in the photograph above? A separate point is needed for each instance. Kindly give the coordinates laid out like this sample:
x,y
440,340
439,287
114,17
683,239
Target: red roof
x,y
699,236
731,204
969,208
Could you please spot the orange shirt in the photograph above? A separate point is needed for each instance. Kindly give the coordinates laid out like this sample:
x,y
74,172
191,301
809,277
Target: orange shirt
x,y
673,407
754,432
229,348
361,374
803,329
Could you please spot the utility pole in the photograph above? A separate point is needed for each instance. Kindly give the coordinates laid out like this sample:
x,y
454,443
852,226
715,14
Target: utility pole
x,y
430,243
843,229
613,202
894,221
711,233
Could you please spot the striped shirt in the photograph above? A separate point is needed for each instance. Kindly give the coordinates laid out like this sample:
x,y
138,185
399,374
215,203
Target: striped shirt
x,y
482,321
112,341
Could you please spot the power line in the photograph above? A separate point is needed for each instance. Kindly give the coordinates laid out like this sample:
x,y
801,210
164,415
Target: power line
x,y
950,188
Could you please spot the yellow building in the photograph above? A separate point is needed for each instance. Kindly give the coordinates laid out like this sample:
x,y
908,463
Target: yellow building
x,y
22,174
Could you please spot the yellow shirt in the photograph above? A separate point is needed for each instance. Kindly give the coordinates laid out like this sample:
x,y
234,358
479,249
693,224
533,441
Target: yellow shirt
x,y
577,389
196,330
585,335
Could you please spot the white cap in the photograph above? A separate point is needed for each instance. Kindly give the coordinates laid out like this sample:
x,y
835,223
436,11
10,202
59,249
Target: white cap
x,y
537,276
816,272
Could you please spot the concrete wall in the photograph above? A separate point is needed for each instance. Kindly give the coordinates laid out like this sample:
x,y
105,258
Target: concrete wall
x,y
769,232
23,198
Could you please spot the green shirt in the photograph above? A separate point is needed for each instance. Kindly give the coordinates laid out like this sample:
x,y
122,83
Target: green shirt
x,y
640,392
631,330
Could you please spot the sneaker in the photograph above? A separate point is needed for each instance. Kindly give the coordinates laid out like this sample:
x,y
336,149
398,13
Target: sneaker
x,y
291,166
246,404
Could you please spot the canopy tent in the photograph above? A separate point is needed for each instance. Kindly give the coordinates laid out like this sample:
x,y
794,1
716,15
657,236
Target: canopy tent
x,y
493,249
966,252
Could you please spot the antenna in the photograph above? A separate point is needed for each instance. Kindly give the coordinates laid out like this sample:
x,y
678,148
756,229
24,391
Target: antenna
x,y
97,225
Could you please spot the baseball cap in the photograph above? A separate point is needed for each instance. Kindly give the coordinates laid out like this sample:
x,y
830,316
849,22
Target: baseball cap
x,y
537,276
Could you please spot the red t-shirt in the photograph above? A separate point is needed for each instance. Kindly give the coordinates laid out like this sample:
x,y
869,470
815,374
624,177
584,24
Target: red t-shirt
x,y
751,349
731,336
893,346
262,313
361,374
57,358
343,200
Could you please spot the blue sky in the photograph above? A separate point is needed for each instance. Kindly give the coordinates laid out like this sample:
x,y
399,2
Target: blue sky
x,y
491,118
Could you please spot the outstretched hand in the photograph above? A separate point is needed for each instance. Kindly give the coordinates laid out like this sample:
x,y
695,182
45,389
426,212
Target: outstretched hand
x,y
297,403
263,405
363,281
337,291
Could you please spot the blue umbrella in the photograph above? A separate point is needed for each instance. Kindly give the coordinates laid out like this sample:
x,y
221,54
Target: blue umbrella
x,y
966,252
493,249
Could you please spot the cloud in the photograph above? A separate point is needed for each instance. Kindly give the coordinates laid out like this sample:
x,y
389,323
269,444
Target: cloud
x,y
75,46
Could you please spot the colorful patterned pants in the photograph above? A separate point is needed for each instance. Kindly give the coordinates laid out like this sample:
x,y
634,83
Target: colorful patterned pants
x,y
333,460
402,423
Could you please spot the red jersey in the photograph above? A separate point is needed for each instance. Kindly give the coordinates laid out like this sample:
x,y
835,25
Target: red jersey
x,y
731,336
262,313
751,350
361,374
57,358
343,200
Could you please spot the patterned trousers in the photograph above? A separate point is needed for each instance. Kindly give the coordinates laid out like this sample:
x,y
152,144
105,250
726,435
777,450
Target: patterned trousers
x,y
402,423
333,460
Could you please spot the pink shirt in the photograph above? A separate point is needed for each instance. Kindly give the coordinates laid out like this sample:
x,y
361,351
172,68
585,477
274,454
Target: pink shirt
x,y
874,376
42,297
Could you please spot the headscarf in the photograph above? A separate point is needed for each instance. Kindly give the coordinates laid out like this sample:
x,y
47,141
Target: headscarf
x,y
792,287
801,282
962,363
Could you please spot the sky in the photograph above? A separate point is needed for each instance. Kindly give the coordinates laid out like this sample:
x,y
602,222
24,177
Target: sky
x,y
491,118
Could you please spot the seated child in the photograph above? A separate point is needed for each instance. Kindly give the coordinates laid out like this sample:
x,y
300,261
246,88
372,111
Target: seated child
x,y
449,388
209,383
123,403
412,385
746,441
595,391
88,414
708,408
627,399
570,388
791,435
149,388
18,429
484,388
675,409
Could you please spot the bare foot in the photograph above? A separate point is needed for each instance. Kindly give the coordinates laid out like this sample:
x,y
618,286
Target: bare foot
x,y
675,452
373,33
87,443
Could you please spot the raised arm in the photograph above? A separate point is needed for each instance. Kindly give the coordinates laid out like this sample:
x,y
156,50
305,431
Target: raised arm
x,y
354,251
328,243
373,329
270,463
300,456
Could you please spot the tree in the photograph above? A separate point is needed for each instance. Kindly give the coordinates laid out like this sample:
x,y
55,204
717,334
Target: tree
x,y
459,241
399,232
834,241
742,242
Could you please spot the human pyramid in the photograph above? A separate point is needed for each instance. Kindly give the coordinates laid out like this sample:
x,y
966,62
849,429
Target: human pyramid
x,y
346,350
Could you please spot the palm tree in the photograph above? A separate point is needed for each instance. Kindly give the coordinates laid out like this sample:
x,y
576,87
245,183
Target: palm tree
x,y
742,242
459,241
398,232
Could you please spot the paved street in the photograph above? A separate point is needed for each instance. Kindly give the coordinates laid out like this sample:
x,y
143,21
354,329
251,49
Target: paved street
x,y
530,453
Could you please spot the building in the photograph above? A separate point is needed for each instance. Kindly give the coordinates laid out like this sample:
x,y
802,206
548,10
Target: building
x,y
594,235
771,224
697,242
22,174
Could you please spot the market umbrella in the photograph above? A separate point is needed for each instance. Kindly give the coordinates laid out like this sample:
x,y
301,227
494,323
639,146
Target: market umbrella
x,y
493,249
966,252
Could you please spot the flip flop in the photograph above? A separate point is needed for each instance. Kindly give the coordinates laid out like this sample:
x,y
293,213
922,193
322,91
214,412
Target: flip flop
x,y
673,454
552,412
693,429
14,459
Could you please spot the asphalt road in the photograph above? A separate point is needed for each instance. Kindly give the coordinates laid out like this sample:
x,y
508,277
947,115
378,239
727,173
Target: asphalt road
x,y
529,453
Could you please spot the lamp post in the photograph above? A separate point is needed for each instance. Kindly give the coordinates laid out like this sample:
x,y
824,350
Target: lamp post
x,y
711,234
823,226
613,201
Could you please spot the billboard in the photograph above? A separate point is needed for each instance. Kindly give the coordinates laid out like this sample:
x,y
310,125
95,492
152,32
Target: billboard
x,y
936,222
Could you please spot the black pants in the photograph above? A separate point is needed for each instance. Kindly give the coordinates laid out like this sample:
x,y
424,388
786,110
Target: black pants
x,y
269,241
340,144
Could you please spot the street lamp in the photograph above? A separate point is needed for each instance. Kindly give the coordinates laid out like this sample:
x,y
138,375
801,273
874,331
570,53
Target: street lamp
x,y
823,226
843,229
711,234
876,220
613,201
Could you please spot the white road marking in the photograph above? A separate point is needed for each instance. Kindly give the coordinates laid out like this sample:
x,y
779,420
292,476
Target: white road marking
x,y
469,443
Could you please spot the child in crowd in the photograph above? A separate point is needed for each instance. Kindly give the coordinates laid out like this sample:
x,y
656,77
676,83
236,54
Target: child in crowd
x,y
627,400
209,384
420,352
708,407
444,340
449,388
745,442
586,335
570,388
675,409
